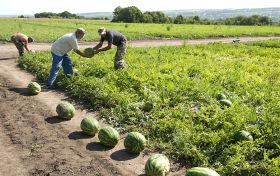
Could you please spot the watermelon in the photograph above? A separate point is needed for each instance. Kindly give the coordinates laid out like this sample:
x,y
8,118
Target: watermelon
x,y
34,88
221,96
89,52
65,110
157,164
243,136
201,171
108,136
89,125
135,142
226,103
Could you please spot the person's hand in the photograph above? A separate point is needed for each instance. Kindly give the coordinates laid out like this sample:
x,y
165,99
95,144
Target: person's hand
x,y
96,51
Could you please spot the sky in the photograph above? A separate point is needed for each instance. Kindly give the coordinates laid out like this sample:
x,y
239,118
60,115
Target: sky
x,y
24,7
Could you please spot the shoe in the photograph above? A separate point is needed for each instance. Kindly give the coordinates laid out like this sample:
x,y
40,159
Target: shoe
x,y
50,87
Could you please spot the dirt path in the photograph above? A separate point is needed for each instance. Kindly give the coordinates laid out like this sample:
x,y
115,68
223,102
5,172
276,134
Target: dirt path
x,y
33,141
146,43
36,142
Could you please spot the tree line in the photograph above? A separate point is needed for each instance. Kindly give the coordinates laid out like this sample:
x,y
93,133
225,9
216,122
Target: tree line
x,y
64,14
133,15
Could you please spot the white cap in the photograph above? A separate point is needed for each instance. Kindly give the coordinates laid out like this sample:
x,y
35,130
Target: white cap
x,y
101,30
81,30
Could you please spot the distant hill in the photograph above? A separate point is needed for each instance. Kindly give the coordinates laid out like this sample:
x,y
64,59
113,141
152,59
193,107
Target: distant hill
x,y
212,14
97,15
225,13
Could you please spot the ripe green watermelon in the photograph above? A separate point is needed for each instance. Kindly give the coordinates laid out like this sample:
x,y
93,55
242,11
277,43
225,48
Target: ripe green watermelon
x,y
65,110
34,88
108,136
201,171
89,52
89,125
243,136
226,102
157,164
221,96
135,142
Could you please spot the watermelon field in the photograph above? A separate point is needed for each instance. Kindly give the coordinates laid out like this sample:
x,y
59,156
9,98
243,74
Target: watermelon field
x,y
171,94
48,30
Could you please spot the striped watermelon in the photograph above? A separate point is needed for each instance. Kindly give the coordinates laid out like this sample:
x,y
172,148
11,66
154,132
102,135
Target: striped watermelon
x,y
65,110
157,164
108,136
89,125
34,88
225,102
221,96
201,171
89,52
135,142
243,136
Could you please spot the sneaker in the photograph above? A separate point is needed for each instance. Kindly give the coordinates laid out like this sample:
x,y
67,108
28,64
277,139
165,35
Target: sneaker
x,y
50,87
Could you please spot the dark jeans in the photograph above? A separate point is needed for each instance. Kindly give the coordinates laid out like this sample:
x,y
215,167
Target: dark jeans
x,y
57,61
19,45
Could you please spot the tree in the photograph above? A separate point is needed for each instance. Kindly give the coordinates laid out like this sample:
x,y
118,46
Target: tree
x,y
148,17
128,15
179,19
116,15
66,14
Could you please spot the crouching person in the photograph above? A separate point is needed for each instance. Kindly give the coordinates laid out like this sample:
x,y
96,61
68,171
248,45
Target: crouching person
x,y
116,38
59,51
21,41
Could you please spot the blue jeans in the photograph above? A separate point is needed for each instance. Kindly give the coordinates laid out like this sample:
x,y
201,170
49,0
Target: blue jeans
x,y
57,61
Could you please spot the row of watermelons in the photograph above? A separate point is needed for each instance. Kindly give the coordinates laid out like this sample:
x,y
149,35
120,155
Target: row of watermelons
x,y
135,142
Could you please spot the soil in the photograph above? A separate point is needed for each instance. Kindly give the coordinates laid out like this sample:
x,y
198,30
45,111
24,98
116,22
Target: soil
x,y
34,141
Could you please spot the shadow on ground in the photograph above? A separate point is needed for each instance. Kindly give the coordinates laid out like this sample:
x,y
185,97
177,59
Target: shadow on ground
x,y
55,119
8,58
78,135
97,146
123,155
21,91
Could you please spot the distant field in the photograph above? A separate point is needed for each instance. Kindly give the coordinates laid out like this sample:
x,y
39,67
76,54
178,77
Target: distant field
x,y
48,30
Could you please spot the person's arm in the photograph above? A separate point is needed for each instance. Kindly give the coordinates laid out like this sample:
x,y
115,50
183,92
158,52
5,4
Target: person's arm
x,y
25,43
79,52
99,45
75,46
109,46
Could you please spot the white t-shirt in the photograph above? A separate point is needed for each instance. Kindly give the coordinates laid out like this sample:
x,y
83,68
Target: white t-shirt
x,y
65,44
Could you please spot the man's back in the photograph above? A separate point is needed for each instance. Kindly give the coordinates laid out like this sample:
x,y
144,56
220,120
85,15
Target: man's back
x,y
115,37
64,44
21,37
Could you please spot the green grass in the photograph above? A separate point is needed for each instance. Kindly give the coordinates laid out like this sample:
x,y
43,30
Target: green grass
x,y
48,30
170,94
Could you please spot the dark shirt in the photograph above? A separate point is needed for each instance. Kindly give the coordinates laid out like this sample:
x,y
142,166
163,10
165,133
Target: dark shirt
x,y
114,37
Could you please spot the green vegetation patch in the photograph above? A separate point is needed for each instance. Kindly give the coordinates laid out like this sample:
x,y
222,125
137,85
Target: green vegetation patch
x,y
48,30
171,94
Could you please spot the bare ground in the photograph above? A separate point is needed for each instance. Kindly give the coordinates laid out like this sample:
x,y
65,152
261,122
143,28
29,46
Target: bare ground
x,y
34,141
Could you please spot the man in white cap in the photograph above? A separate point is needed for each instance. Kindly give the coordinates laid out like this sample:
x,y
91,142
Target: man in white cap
x,y
59,51
116,38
